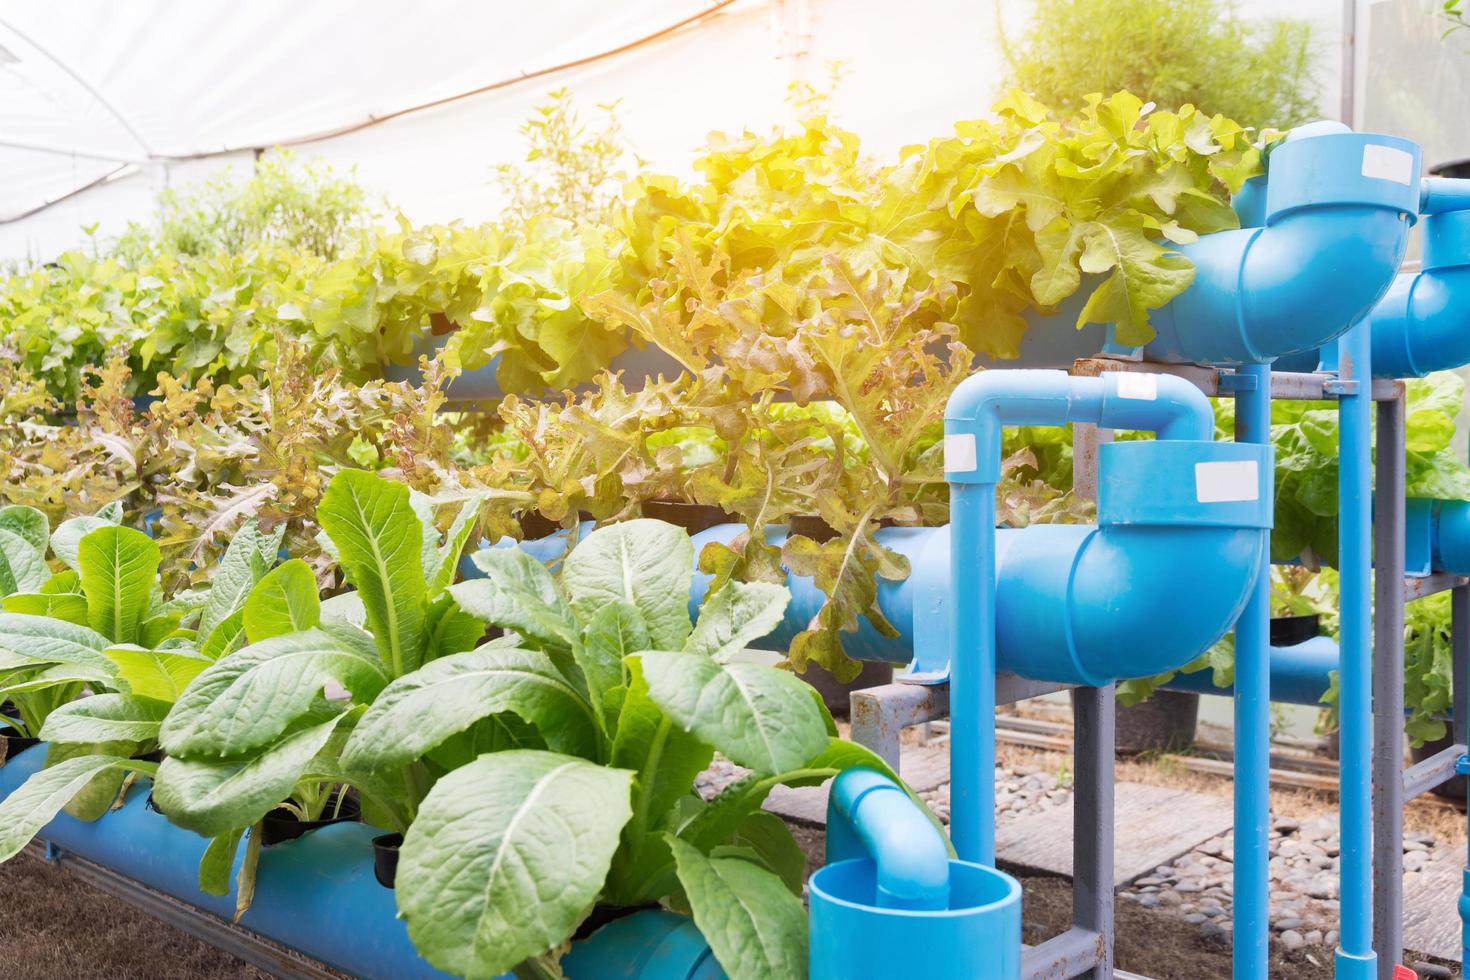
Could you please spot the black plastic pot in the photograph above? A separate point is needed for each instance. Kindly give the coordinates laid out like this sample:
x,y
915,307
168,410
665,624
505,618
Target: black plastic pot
x,y
1452,168
1164,723
1288,631
534,527
601,915
1453,789
15,745
816,527
691,517
281,825
385,858
837,695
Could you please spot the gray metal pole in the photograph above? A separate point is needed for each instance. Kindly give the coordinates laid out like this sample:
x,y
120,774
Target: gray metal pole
x,y
1349,61
1388,690
1460,649
1092,820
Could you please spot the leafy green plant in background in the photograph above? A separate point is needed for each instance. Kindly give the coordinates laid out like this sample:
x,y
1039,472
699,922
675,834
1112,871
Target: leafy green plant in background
x,y
1454,14
1428,671
572,170
1305,438
303,206
1204,53
738,279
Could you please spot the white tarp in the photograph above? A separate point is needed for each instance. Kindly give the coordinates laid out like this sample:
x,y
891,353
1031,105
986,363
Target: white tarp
x,y
131,92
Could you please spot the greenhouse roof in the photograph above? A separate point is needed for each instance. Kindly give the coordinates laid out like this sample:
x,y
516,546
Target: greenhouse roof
x,y
91,89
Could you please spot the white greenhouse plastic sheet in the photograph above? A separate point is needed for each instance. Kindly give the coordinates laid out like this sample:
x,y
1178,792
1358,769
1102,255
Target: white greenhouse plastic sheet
x,y
103,104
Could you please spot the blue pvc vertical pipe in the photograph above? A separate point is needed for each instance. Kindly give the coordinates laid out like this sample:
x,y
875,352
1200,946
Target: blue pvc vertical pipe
x,y
1355,957
1253,722
972,672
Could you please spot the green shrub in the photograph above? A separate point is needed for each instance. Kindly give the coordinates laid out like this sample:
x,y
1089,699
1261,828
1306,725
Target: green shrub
x,y
1176,52
307,207
571,171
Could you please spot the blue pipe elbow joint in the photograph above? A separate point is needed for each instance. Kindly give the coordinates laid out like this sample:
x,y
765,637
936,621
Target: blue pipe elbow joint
x,y
1423,323
1322,234
1130,598
1137,601
1090,605
870,816
1335,219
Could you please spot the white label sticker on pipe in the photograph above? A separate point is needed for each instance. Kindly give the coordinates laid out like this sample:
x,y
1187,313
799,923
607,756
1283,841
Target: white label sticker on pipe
x,y
1388,163
1219,483
1144,387
959,453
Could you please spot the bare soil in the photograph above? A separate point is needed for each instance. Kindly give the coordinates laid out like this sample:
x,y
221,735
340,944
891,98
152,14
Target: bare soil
x,y
54,926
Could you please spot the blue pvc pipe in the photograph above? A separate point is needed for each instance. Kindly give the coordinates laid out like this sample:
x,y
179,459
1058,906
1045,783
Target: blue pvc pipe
x,y
974,419
1156,533
1448,528
977,936
1332,239
870,816
318,895
972,671
1355,959
315,894
1423,323
1443,194
1253,719
1299,675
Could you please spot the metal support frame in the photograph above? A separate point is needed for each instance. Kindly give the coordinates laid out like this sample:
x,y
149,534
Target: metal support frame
x,y
880,714
1388,690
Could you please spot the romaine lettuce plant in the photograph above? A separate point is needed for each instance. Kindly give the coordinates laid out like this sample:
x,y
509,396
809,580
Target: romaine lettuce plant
x,y
103,626
263,726
606,708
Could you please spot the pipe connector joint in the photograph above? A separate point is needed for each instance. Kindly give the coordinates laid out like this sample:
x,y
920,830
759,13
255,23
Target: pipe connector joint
x,y
870,816
1440,195
985,403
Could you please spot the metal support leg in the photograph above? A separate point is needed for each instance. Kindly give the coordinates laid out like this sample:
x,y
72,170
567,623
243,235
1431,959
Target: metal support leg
x,y
1460,688
1388,690
1460,670
1092,821
1087,439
